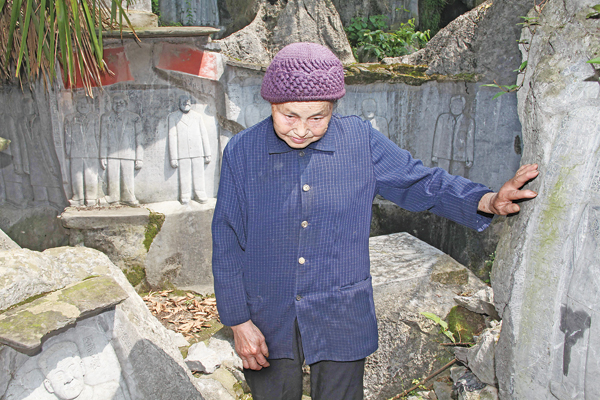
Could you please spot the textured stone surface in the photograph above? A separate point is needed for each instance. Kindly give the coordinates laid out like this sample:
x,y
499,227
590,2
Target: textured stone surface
x,y
481,302
202,359
24,327
27,273
117,232
124,353
6,243
481,357
482,41
467,246
35,228
212,389
546,273
277,25
73,218
181,253
403,268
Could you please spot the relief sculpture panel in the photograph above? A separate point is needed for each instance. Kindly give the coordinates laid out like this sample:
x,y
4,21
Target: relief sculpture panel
x,y
454,139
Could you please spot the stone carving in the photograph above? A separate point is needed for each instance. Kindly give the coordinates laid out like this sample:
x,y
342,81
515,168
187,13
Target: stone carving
x,y
121,150
369,112
11,169
80,364
257,111
453,141
189,150
82,147
39,162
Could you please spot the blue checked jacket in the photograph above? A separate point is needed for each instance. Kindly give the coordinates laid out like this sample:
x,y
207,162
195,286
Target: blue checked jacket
x,y
291,232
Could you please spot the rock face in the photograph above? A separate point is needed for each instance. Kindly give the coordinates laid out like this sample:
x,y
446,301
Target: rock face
x,y
410,277
120,353
277,25
482,41
545,278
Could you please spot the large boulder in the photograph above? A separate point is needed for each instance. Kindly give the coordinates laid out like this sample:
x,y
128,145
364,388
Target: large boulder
x,y
410,277
545,278
120,352
277,25
482,41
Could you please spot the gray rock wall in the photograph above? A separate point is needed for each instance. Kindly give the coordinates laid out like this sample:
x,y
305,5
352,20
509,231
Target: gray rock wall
x,y
546,276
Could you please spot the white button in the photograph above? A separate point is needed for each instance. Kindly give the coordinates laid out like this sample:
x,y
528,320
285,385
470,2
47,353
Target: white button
x,y
301,260
301,154
304,224
306,188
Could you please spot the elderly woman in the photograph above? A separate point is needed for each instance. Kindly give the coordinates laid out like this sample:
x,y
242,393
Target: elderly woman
x,y
291,229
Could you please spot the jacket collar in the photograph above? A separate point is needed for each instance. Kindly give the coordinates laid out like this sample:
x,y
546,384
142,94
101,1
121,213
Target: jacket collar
x,y
326,143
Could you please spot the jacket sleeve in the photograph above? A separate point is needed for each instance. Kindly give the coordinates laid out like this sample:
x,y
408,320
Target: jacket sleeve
x,y
414,187
229,243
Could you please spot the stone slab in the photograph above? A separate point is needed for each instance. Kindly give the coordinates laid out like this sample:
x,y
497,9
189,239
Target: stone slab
x,y
99,218
181,253
24,327
163,31
25,273
410,277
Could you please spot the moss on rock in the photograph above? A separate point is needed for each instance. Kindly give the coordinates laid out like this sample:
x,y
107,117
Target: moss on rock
x,y
414,75
464,324
154,226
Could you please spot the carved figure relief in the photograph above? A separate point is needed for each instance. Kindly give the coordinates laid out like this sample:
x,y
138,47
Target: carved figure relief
x,y
121,150
257,111
189,150
39,162
369,112
453,139
16,157
79,365
82,148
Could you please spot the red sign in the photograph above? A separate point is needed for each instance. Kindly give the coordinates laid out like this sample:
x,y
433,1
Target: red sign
x,y
117,63
174,57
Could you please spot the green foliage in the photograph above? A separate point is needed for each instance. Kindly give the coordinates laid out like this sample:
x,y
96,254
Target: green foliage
x,y
156,7
370,38
443,325
596,13
430,12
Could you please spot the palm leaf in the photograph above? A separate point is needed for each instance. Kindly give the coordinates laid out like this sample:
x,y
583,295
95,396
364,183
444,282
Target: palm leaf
x,y
36,33
24,34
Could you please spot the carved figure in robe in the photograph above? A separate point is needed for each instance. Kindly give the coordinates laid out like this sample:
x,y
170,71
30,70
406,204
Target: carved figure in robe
x,y
189,150
369,112
82,147
43,169
453,140
121,150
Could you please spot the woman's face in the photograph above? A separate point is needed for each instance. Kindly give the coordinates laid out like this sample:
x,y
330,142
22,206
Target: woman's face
x,y
300,123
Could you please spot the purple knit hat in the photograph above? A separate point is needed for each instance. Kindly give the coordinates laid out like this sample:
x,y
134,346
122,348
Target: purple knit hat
x,y
303,72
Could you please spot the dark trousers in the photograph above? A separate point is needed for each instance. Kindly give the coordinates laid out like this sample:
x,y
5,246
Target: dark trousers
x,y
329,380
